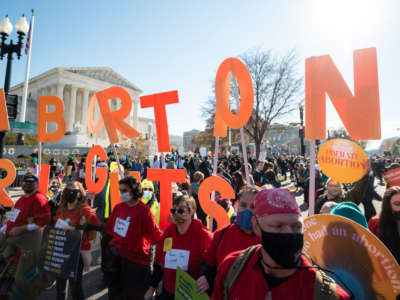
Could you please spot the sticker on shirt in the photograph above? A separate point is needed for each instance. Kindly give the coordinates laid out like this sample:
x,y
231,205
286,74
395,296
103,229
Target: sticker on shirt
x,y
14,214
121,226
167,244
177,258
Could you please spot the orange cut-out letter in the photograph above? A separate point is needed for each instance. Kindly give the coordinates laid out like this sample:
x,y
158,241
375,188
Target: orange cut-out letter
x,y
213,209
115,120
159,101
55,116
44,178
7,165
91,126
114,189
165,177
223,115
101,173
135,174
360,113
4,124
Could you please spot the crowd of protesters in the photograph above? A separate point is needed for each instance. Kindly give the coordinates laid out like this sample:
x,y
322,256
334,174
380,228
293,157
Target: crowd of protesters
x,y
258,255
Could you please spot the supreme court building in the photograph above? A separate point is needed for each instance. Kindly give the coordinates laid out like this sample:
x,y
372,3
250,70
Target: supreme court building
x,y
76,86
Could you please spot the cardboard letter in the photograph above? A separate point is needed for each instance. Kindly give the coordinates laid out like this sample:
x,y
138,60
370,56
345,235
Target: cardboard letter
x,y
135,174
159,101
114,189
7,165
165,177
360,113
223,115
44,178
55,116
4,124
91,127
213,209
115,120
101,173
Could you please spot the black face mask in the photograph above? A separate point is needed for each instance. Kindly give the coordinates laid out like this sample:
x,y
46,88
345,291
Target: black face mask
x,y
284,248
396,215
71,195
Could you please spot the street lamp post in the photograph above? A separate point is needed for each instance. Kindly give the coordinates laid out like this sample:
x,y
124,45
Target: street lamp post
x,y
303,148
9,49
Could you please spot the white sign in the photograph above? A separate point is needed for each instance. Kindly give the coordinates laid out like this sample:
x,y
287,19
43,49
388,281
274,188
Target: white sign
x,y
203,151
14,214
121,227
177,258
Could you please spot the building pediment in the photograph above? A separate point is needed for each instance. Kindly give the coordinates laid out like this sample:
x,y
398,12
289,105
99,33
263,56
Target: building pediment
x,y
105,74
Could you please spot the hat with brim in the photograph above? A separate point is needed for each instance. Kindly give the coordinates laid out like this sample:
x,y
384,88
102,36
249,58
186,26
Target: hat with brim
x,y
29,177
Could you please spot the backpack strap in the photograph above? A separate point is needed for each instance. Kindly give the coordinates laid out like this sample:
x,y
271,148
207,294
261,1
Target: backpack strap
x,y
324,287
236,269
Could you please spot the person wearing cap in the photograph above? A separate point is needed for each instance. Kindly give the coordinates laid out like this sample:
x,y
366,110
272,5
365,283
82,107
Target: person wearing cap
x,y
30,213
276,269
232,238
351,211
150,199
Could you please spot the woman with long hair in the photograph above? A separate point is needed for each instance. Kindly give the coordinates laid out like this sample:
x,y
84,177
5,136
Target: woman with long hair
x,y
387,225
74,213
238,182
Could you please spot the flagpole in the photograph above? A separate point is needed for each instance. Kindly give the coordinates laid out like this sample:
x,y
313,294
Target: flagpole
x,y
28,67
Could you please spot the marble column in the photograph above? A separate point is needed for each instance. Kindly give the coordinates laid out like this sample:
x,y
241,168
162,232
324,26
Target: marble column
x,y
85,105
71,109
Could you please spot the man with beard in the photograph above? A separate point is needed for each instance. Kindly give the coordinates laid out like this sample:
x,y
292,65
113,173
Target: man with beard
x,y
30,213
276,269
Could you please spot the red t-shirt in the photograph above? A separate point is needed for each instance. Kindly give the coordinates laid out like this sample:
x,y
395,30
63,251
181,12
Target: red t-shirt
x,y
35,206
373,225
196,240
74,216
141,231
251,284
233,239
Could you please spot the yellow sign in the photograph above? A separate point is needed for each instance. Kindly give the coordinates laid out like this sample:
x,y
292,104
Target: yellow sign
x,y
342,160
167,244
356,255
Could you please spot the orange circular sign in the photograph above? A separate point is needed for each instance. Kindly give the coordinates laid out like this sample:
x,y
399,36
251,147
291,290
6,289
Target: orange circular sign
x,y
342,160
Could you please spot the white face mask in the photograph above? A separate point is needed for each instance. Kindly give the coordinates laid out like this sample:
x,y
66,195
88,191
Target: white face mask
x,y
147,194
126,197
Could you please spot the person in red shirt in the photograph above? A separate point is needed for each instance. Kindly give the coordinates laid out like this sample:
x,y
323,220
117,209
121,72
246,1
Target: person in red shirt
x,y
234,237
74,213
133,229
188,238
276,269
30,213
387,226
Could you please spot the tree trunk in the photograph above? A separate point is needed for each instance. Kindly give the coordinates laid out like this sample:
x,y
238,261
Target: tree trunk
x,y
258,146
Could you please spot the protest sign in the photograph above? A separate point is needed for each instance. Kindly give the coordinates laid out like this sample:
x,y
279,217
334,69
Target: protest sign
x,y
392,177
342,160
185,287
59,253
9,167
356,255
360,113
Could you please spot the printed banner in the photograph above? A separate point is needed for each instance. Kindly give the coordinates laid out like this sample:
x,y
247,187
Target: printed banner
x,y
392,177
59,253
355,254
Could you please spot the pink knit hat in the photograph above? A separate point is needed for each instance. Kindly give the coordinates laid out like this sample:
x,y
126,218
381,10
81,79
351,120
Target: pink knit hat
x,y
275,201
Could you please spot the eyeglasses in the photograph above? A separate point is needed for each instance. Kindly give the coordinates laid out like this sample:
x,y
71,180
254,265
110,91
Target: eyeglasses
x,y
179,211
147,189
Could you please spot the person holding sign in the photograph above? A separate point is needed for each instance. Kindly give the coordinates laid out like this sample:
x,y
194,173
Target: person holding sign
x,y
30,213
133,229
387,225
276,269
182,245
74,213
232,238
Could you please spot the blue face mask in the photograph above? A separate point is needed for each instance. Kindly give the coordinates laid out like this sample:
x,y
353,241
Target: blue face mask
x,y
244,219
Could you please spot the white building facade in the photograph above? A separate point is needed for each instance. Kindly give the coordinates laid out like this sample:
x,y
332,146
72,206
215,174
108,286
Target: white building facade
x,y
76,87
